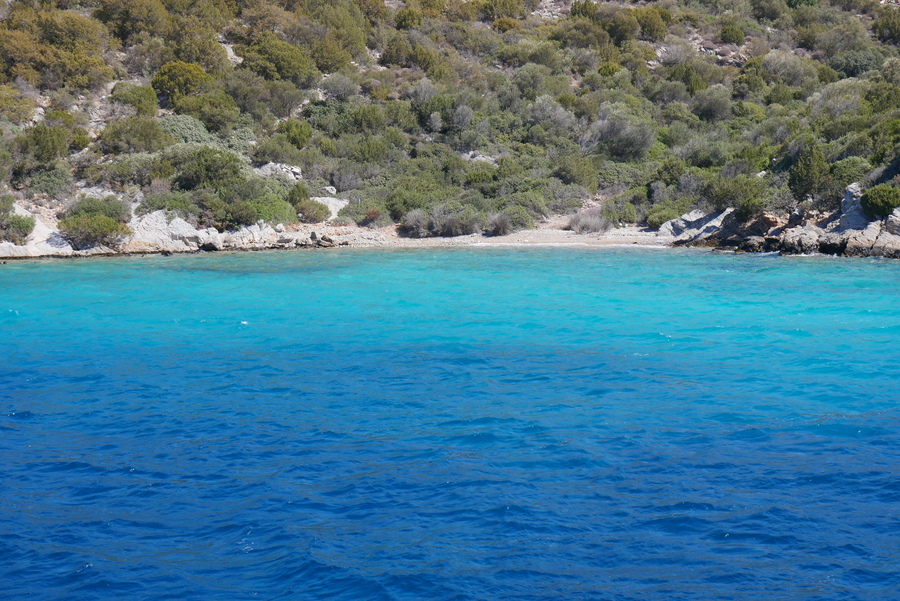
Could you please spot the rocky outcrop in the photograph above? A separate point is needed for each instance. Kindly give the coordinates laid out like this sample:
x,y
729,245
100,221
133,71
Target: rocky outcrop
x,y
852,215
291,172
846,232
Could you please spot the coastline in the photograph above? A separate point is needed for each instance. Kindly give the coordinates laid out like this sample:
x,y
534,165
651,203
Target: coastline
x,y
847,232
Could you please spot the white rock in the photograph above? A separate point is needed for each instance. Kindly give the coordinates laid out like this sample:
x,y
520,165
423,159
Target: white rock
x,y
334,204
892,223
852,215
291,172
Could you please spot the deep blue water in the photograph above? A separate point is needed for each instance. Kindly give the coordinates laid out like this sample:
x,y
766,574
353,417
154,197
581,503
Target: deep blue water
x,y
450,424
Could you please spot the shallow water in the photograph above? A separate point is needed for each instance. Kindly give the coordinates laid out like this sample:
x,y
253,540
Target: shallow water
x,y
450,424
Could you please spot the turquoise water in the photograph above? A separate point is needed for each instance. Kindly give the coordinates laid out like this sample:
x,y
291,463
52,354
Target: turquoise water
x,y
450,424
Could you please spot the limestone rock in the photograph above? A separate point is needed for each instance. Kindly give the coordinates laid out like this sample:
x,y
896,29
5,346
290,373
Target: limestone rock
x,y
334,204
852,215
833,243
675,227
155,233
704,229
859,244
802,240
291,172
892,223
886,245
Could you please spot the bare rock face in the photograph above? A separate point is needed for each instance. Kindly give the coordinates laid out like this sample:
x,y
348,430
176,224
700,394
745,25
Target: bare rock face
x,y
852,215
861,243
334,204
155,233
291,172
702,230
802,240
675,227
892,223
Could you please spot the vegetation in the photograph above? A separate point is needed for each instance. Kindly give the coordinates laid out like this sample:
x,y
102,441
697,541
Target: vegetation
x,y
95,221
449,117
13,228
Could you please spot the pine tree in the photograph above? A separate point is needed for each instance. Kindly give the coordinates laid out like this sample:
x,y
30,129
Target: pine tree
x,y
810,174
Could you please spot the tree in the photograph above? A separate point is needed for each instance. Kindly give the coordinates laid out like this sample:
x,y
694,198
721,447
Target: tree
x,y
809,175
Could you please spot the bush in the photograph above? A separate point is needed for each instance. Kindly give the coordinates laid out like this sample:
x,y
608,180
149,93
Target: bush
x,y
311,211
275,59
134,134
731,34
84,231
415,224
298,193
509,220
187,129
454,219
110,206
55,181
141,98
179,78
589,221
880,201
175,202
209,167
297,132
15,228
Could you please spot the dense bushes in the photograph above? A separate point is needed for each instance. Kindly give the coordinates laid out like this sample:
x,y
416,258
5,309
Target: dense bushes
x,y
478,115
92,221
880,201
13,228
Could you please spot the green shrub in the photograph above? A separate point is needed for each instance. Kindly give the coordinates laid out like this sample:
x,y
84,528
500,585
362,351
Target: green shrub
x,y
454,219
275,59
297,131
45,143
179,203
134,134
16,228
311,211
141,98
272,209
110,206
408,18
509,220
55,180
880,201
298,193
186,128
209,167
589,221
87,230
849,170
179,78
731,34
277,149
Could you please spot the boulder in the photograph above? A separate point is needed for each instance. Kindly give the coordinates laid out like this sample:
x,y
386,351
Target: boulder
x,y
675,227
833,243
705,229
892,223
860,243
155,233
886,245
852,215
801,240
291,172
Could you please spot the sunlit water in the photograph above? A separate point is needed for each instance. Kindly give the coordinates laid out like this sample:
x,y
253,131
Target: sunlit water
x,y
450,424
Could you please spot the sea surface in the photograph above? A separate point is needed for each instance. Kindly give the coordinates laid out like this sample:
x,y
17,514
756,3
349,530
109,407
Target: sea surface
x,y
490,424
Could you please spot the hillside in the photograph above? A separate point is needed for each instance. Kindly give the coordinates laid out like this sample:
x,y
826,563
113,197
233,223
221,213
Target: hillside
x,y
444,116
